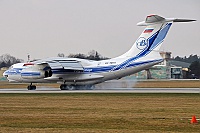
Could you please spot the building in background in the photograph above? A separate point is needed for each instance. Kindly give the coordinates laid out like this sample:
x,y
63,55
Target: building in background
x,y
168,69
179,70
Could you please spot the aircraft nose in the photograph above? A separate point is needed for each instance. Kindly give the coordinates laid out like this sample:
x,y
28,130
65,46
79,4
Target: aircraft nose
x,y
5,74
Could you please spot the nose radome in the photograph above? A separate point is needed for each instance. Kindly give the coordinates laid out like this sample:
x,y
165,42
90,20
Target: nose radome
x,y
5,74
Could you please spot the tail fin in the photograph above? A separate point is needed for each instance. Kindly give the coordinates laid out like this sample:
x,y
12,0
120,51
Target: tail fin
x,y
153,35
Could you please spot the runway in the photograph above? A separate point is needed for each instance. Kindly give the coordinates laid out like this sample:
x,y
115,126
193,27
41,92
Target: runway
x,y
106,90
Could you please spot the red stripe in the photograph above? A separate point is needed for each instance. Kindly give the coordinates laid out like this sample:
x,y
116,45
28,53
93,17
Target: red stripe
x,y
148,30
151,15
27,64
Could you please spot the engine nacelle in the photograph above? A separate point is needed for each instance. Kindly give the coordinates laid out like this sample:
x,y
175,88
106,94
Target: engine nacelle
x,y
36,72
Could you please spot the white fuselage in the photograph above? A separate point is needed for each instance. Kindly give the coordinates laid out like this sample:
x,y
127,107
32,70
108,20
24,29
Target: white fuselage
x,y
94,71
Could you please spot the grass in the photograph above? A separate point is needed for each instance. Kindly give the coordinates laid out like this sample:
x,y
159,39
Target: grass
x,y
99,112
169,84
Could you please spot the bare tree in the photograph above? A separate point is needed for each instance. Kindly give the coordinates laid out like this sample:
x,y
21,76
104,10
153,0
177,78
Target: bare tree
x,y
61,55
7,60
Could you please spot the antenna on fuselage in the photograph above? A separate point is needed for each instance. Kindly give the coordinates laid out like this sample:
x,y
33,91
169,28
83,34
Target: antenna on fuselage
x,y
28,57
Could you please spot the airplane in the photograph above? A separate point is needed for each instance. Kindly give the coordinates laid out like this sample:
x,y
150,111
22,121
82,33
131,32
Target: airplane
x,y
75,73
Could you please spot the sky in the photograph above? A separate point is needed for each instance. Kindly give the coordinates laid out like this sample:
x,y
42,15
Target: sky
x,y
44,28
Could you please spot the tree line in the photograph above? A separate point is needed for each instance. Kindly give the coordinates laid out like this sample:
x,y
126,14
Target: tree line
x,y
190,59
92,55
6,60
194,68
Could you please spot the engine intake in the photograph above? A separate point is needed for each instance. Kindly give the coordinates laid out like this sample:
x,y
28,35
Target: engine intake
x,y
36,72
48,73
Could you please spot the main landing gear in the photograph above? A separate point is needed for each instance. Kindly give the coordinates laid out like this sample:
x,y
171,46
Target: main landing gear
x,y
67,87
76,87
31,87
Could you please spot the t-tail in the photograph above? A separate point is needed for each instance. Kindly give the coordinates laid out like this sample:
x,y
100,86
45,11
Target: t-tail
x,y
150,41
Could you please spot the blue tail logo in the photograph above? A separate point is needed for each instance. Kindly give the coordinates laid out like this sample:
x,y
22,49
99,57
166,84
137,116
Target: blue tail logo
x,y
142,43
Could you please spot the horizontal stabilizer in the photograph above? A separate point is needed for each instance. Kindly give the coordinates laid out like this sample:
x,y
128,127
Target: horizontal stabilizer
x,y
155,19
183,20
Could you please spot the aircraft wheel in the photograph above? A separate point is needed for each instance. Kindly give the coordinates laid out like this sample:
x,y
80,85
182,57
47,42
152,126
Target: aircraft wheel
x,y
76,87
31,87
63,87
70,87
66,87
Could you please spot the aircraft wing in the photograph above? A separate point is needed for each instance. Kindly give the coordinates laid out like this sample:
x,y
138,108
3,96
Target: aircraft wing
x,y
69,70
69,65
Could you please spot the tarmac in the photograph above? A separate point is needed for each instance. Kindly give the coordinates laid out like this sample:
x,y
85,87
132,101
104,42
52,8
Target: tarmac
x,y
105,90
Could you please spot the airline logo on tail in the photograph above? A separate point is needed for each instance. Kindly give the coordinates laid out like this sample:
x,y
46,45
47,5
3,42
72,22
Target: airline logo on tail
x,y
142,43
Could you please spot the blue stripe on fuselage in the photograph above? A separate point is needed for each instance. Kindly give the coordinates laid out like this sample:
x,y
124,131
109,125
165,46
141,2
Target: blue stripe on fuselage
x,y
30,74
13,71
133,64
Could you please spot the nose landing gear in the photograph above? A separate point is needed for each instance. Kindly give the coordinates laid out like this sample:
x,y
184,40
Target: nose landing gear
x,y
31,87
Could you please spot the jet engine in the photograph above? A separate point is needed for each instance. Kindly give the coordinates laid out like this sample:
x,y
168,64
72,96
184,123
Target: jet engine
x,y
36,71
